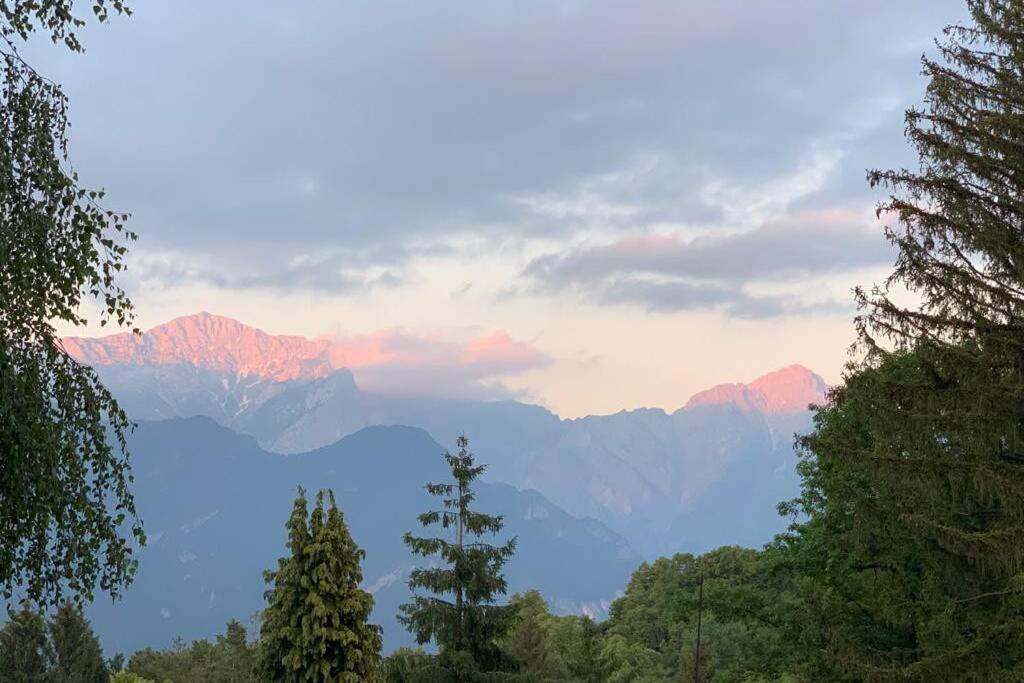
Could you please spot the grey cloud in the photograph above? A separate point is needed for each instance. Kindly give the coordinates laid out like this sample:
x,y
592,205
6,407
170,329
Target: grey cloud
x,y
667,273
352,123
323,273
675,296
807,245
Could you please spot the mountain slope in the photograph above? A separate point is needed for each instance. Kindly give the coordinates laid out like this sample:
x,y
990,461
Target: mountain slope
x,y
647,474
214,505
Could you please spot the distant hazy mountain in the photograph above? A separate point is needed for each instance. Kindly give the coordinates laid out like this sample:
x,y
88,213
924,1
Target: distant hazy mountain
x,y
707,474
214,505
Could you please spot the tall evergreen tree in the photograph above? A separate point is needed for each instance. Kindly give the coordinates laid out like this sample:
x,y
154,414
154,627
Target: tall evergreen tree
x,y
915,475
315,626
461,615
24,651
77,655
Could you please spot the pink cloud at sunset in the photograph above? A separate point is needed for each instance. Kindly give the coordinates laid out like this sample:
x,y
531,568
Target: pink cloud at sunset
x,y
394,361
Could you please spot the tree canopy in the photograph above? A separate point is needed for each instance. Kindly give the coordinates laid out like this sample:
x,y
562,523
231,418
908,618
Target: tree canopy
x,y
315,626
64,479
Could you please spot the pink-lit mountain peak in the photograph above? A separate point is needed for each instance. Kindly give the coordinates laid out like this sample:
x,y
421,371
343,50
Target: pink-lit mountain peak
x,y
788,390
228,346
213,342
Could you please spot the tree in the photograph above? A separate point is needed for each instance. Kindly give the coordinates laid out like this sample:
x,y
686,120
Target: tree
x,y
128,677
77,655
749,616
629,662
230,659
406,665
235,659
24,652
315,625
64,477
914,477
529,642
466,626
582,658
170,665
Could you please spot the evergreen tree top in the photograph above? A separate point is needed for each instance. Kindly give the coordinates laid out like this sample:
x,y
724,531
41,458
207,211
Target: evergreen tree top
x,y
959,216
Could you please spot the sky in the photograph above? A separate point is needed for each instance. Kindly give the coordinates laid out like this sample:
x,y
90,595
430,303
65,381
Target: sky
x,y
622,202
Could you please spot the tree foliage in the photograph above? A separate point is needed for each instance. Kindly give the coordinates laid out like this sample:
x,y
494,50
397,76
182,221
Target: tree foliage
x,y
315,625
531,641
750,621
24,650
914,476
63,649
460,613
64,475
77,655
230,659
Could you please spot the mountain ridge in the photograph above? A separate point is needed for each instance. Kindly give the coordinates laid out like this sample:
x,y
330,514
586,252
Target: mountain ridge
x,y
223,344
211,342
650,475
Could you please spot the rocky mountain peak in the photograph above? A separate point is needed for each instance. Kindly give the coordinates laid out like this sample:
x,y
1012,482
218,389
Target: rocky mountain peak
x,y
211,342
788,390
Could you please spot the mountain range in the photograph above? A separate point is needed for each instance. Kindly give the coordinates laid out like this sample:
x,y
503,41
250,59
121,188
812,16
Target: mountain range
x,y
232,418
645,473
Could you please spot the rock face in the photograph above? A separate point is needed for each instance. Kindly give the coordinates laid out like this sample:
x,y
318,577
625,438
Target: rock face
x,y
210,342
788,390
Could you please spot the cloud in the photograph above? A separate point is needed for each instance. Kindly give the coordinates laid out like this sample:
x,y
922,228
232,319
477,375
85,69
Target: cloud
x,y
670,272
676,296
325,271
342,123
393,361
805,244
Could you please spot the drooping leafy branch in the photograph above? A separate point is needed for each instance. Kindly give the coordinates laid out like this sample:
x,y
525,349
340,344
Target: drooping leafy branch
x,y
64,476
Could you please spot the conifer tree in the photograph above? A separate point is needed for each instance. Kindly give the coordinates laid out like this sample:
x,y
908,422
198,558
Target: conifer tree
x,y
315,626
24,651
915,475
460,615
77,655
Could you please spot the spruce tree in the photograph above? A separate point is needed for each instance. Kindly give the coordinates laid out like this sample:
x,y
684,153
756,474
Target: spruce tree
x,y
24,651
315,626
77,655
915,475
461,615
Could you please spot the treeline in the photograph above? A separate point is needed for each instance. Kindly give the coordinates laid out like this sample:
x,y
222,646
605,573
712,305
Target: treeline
x,y
648,637
903,566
